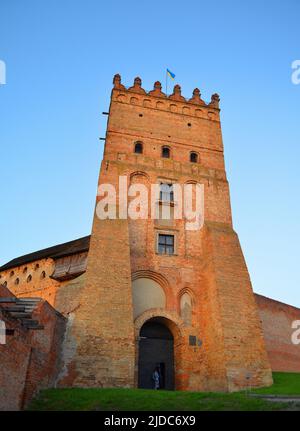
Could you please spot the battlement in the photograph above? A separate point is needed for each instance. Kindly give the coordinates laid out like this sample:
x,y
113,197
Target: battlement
x,y
184,125
175,96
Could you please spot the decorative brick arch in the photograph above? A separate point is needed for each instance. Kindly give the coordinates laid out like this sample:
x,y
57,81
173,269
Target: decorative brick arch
x,y
131,174
181,293
189,291
139,173
158,278
171,319
191,181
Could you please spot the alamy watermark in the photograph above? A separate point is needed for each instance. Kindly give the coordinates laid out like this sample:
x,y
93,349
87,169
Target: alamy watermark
x,y
163,201
2,72
296,334
2,332
296,72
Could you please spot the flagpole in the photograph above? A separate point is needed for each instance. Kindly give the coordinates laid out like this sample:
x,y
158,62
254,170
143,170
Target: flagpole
x,y
166,82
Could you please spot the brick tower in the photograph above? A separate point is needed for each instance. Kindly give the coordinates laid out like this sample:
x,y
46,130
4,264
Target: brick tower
x,y
155,293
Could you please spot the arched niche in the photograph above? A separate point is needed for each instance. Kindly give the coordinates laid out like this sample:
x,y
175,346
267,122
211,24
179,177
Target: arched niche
x,y
121,98
134,101
146,294
186,308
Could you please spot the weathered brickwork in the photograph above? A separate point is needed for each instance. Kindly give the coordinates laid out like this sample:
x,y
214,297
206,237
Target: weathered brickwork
x,y
238,336
42,273
32,279
277,319
209,264
31,359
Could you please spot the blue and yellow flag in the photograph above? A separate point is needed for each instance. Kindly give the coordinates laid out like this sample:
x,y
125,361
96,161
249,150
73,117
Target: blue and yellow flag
x,y
171,74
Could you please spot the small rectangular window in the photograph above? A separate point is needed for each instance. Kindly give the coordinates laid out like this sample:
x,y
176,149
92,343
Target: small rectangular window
x,y
165,244
165,152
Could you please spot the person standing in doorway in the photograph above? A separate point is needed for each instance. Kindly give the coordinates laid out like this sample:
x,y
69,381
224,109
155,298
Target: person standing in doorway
x,y
156,378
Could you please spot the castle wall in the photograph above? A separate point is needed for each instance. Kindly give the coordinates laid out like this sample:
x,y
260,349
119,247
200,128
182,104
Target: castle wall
x,y
14,360
245,358
277,319
32,280
30,359
102,327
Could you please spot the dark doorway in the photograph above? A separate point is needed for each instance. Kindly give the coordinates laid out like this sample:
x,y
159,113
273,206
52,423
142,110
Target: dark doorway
x,y
156,349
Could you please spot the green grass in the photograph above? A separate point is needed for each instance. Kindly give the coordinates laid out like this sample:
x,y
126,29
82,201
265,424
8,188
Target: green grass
x,y
145,400
140,399
284,384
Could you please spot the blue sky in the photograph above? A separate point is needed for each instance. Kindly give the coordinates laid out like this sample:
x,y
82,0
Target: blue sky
x,y
61,57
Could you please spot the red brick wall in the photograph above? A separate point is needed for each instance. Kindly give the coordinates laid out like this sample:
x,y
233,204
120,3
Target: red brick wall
x,y
30,360
277,319
32,280
14,360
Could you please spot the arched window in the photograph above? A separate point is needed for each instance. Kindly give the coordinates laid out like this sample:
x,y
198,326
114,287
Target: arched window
x,y
43,274
29,278
194,157
138,147
165,152
17,281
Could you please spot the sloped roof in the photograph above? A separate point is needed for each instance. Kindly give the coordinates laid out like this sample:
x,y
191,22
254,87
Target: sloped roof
x,y
76,246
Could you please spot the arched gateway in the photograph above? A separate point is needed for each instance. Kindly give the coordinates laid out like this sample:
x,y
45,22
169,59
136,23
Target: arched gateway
x,y
156,349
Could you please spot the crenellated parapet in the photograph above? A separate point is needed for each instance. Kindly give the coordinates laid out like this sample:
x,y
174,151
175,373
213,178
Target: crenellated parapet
x,y
117,82
176,96
137,86
157,90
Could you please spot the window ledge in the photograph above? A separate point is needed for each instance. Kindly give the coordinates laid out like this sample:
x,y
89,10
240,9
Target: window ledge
x,y
171,203
165,254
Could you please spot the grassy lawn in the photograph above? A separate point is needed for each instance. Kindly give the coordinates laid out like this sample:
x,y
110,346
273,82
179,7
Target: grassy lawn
x,y
144,400
284,384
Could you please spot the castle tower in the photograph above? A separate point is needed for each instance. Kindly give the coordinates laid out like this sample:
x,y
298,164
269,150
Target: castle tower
x,y
157,294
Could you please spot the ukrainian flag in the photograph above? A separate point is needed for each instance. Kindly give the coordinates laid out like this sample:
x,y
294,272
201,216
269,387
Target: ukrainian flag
x,y
171,74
